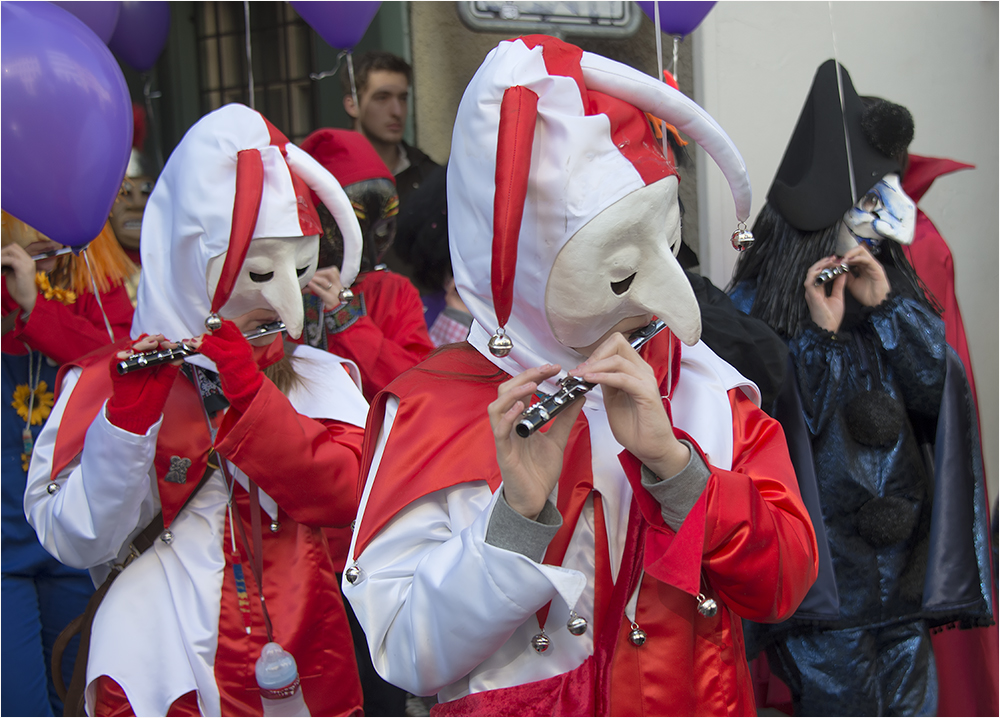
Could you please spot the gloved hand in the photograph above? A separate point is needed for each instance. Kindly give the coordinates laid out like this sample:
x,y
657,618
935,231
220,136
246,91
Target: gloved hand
x,y
233,356
138,397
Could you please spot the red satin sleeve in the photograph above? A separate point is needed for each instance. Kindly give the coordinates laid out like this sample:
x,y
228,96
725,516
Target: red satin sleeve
x,y
66,332
308,466
760,547
748,534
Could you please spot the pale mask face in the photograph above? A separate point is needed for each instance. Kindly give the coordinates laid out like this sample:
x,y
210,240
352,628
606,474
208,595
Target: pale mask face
x,y
270,283
619,267
885,212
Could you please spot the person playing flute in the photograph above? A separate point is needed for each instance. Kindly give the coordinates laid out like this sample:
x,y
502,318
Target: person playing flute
x,y
201,489
602,564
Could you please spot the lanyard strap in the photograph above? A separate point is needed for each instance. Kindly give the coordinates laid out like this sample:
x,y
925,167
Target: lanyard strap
x,y
257,555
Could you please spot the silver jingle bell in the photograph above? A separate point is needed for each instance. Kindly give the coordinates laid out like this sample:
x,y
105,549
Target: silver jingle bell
x,y
352,574
540,642
637,636
167,537
213,322
52,488
275,526
707,607
577,625
500,344
742,239
345,295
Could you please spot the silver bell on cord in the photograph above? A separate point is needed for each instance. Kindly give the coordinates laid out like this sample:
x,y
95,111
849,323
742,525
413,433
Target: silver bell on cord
x,y
500,344
637,636
213,322
742,238
577,625
540,642
707,607
167,537
352,574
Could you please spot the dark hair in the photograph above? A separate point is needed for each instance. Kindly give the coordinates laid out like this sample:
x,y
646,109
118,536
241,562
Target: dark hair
x,y
776,266
371,60
422,232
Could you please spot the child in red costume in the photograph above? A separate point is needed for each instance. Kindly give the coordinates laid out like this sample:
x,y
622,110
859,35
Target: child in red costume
x,y
224,470
381,328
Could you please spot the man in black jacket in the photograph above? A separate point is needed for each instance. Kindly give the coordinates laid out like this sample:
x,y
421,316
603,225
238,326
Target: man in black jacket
x,y
382,82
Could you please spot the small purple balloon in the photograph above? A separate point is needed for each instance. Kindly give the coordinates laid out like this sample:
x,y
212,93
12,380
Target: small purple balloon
x,y
678,17
141,33
66,127
341,24
101,17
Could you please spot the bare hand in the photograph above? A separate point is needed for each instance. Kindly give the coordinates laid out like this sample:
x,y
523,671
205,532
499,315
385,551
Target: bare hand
x,y
150,343
530,466
826,310
634,404
867,281
326,285
20,271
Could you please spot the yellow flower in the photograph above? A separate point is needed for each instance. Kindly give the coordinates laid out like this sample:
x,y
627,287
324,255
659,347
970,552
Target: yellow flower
x,y
25,461
41,406
66,296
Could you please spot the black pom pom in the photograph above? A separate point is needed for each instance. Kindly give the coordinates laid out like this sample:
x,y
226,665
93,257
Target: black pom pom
x,y
874,418
885,521
888,127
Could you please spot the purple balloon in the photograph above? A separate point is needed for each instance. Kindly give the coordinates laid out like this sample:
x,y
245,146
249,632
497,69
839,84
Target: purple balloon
x,y
101,17
341,24
678,17
141,33
66,127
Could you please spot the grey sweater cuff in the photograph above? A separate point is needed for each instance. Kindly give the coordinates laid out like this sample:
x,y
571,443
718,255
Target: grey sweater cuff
x,y
511,531
679,493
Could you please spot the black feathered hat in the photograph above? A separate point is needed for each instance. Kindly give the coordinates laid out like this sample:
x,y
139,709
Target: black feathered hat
x,y
812,188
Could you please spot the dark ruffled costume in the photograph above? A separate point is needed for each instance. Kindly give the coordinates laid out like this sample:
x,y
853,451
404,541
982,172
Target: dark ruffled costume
x,y
883,433
881,428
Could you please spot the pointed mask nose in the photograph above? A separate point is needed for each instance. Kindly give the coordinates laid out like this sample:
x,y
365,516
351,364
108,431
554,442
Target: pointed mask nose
x,y
284,295
620,265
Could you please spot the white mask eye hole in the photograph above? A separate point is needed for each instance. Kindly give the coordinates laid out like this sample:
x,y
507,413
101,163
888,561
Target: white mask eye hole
x,y
261,278
301,270
619,288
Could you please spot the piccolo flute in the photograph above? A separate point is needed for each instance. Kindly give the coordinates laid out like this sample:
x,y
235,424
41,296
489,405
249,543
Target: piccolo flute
x,y
572,387
831,273
147,360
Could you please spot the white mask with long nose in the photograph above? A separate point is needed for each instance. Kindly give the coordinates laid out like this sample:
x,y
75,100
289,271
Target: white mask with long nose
x,y
621,265
273,275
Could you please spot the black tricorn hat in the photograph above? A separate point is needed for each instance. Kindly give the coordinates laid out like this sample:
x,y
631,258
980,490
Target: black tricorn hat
x,y
812,188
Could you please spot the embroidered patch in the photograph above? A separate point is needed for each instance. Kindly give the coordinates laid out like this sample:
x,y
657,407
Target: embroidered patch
x,y
178,470
346,314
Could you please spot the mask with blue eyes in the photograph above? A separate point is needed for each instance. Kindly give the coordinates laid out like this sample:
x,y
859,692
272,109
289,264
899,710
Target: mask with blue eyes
x,y
884,212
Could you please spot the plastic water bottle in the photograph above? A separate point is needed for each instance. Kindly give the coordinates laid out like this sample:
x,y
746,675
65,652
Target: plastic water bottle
x,y
278,680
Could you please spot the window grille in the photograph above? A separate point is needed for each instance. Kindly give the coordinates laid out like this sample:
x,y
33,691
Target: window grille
x,y
281,45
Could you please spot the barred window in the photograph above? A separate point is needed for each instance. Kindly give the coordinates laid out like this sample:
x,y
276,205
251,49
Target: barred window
x,y
281,45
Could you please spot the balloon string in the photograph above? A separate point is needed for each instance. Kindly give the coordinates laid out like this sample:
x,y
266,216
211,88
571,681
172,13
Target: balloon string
x,y
328,73
246,19
354,89
659,67
97,294
843,111
148,98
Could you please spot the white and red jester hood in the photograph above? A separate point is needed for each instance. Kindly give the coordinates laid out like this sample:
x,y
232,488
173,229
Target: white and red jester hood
x,y
563,209
232,181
